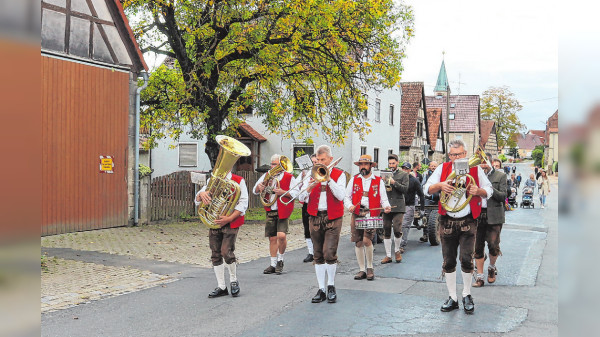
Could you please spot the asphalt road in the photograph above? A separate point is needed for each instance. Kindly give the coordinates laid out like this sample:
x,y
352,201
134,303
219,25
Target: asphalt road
x,y
404,298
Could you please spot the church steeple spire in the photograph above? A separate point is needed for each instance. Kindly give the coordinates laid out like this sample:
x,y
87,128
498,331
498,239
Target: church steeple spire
x,y
442,81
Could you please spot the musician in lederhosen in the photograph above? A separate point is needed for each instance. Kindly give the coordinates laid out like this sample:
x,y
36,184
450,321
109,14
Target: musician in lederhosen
x,y
326,210
222,240
365,196
458,229
490,223
398,185
305,216
278,214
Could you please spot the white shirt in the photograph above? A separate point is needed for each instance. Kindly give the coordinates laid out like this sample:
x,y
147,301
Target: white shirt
x,y
337,189
484,183
293,192
242,204
304,177
366,185
484,200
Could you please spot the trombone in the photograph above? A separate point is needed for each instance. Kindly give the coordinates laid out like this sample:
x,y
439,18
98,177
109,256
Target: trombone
x,y
319,173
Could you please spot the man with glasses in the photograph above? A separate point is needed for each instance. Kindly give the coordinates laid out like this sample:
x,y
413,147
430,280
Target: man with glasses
x,y
458,229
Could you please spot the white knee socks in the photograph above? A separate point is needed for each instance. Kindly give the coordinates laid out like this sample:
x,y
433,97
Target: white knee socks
x,y
397,242
451,285
320,270
467,283
360,257
388,247
232,271
220,274
369,251
309,245
331,269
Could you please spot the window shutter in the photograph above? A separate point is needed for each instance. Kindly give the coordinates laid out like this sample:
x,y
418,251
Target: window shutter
x,y
188,154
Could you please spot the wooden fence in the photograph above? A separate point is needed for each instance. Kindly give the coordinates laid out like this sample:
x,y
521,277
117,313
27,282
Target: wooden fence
x,y
172,195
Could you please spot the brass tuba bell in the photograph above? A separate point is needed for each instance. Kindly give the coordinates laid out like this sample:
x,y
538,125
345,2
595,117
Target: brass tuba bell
x,y
224,193
461,180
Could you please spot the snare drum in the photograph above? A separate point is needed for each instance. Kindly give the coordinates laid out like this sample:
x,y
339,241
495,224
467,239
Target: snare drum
x,y
369,223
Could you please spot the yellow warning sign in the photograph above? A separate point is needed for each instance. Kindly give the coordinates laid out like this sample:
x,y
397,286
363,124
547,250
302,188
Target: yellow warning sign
x,y
106,164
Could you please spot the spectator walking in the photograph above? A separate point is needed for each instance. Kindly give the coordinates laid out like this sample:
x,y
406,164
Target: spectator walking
x,y
519,180
544,187
415,171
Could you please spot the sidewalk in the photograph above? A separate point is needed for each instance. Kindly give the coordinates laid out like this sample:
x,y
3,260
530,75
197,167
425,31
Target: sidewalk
x,y
66,283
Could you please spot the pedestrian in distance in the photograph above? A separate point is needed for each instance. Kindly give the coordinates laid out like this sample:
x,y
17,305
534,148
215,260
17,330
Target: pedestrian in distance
x,y
416,167
543,187
429,200
519,180
457,229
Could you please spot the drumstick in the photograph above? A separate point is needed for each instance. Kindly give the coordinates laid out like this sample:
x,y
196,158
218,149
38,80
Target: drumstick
x,y
378,209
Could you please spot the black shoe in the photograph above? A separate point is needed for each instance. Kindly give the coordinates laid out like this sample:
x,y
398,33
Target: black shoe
x,y
468,304
319,297
235,288
309,258
424,238
269,270
279,267
449,305
218,292
331,296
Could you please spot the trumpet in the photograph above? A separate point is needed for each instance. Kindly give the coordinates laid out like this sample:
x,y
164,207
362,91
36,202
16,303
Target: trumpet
x,y
319,173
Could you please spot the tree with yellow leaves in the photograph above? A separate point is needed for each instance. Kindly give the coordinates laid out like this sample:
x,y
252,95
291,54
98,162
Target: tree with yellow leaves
x,y
296,64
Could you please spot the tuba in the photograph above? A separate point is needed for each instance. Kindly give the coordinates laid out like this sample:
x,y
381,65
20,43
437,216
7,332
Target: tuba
x,y
224,193
267,196
461,180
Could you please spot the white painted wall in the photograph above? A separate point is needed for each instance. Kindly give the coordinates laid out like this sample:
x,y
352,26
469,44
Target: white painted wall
x,y
383,136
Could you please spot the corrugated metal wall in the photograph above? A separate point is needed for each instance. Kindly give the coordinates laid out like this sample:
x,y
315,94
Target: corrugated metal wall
x,y
84,116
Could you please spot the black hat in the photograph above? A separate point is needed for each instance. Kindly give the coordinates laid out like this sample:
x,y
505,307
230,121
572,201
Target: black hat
x,y
406,165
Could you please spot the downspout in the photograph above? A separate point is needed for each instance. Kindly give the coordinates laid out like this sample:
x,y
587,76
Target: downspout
x,y
137,148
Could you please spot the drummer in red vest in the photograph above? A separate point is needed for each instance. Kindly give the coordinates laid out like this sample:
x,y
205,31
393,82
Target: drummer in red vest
x,y
458,228
222,240
326,210
366,196
278,216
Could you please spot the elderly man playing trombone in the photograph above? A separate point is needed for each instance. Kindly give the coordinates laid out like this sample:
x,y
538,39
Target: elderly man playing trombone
x,y
458,228
278,213
325,196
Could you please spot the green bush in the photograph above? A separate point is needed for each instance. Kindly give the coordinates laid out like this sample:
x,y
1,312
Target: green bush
x,y
502,157
537,156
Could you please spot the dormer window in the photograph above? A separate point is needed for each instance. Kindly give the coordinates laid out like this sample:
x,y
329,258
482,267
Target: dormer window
x,y
453,105
451,115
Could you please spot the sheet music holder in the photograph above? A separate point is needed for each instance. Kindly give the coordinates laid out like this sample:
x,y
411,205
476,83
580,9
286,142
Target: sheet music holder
x,y
304,162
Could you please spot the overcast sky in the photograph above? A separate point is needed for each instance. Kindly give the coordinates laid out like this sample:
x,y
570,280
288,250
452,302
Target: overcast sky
x,y
489,43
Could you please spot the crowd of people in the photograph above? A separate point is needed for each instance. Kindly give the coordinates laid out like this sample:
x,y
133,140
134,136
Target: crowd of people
x,y
374,202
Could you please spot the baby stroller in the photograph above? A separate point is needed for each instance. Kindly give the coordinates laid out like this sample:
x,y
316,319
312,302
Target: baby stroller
x,y
527,200
512,197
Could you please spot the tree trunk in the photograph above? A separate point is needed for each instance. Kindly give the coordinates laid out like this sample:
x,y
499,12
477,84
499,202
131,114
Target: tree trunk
x,y
212,149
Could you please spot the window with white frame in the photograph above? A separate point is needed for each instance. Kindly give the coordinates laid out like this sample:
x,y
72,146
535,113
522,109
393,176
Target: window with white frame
x,y
391,114
378,110
188,154
363,150
376,156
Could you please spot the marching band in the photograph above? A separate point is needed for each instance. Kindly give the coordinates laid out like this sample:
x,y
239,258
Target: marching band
x,y
372,201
